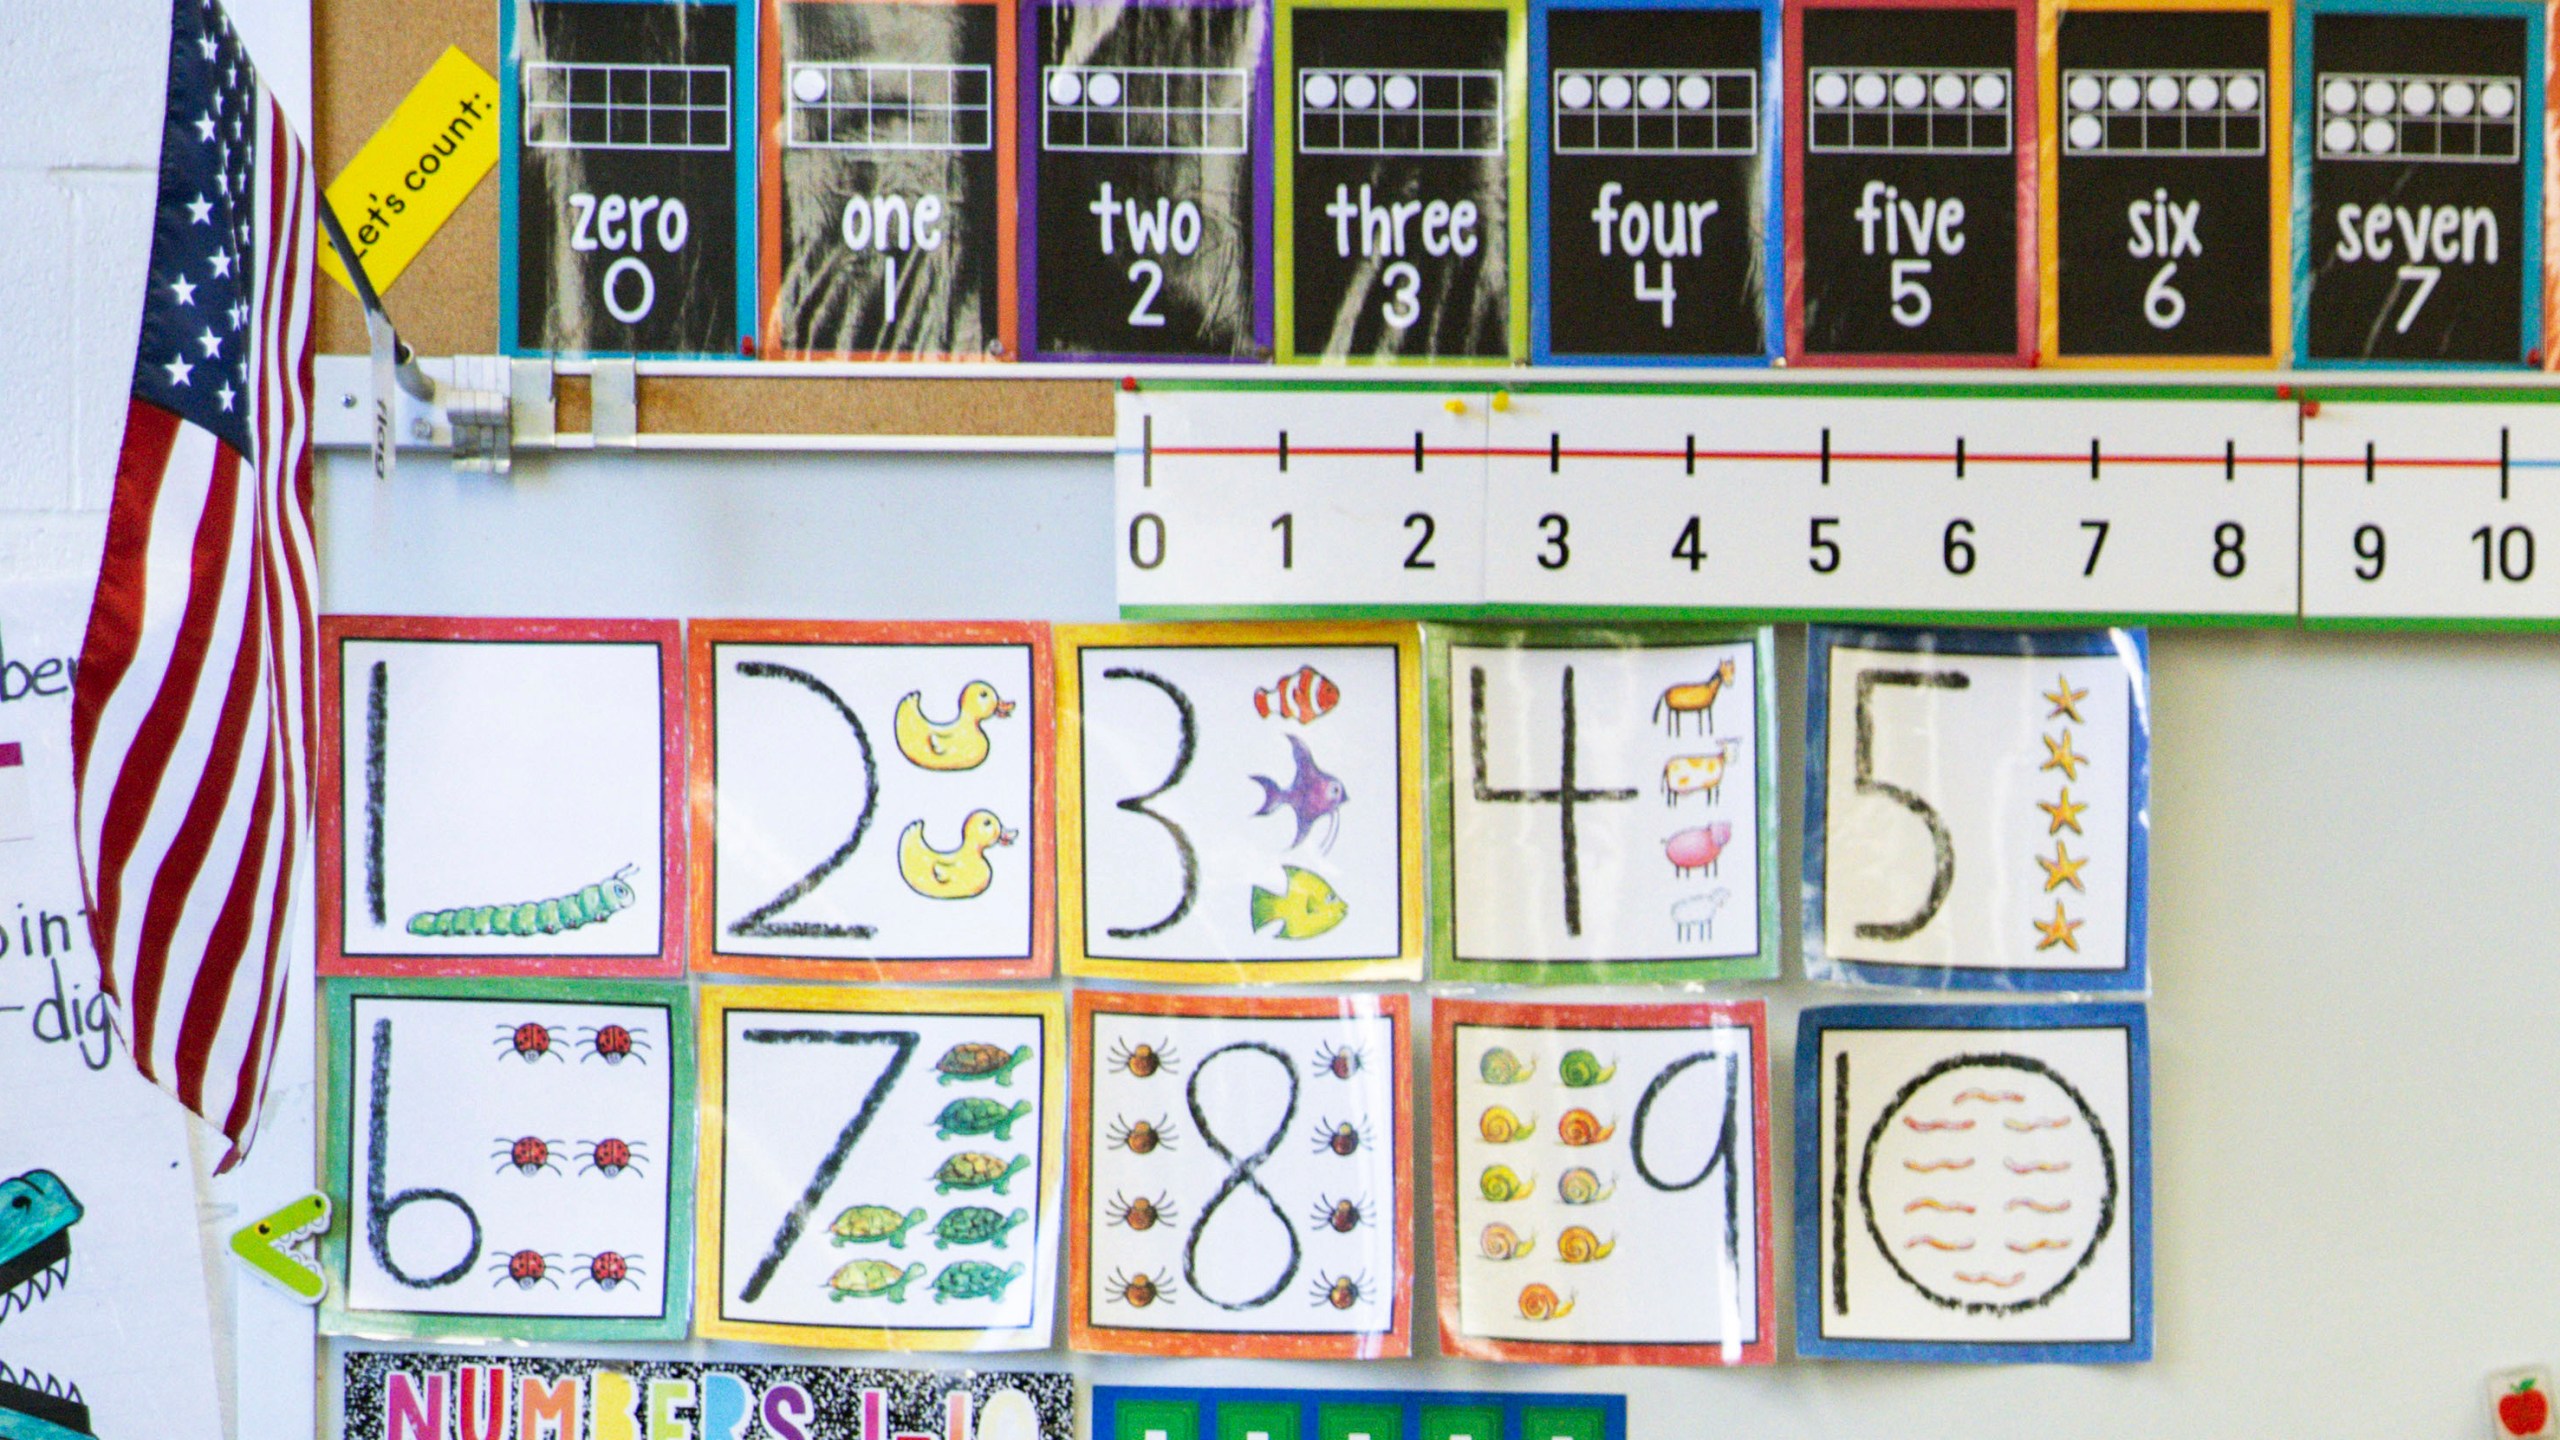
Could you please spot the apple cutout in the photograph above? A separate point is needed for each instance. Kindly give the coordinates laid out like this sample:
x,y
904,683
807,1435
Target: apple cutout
x,y
2525,1409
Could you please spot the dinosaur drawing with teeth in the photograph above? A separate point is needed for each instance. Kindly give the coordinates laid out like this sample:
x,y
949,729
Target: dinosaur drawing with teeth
x,y
37,1212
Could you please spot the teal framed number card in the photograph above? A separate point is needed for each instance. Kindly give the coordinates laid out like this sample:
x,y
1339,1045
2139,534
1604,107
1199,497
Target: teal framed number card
x,y
513,1159
1608,804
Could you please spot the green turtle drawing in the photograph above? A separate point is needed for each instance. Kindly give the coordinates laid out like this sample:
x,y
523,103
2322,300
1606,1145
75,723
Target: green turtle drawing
x,y
977,1170
864,1224
978,1115
973,1061
864,1279
976,1225
973,1280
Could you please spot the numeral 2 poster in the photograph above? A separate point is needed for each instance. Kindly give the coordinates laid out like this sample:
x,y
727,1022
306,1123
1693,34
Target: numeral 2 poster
x,y
1241,1184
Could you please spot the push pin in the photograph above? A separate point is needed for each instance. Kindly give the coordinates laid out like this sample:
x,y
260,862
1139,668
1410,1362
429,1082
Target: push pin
x,y
1454,405
1501,402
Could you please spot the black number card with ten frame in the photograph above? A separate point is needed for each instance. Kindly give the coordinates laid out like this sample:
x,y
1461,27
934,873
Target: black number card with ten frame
x,y
2166,185
889,183
1146,140
1398,181
2422,143
623,187
1653,131
1911,128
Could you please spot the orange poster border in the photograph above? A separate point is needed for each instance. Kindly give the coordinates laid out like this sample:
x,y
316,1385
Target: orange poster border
x,y
702,797
768,327
1395,1343
1446,1016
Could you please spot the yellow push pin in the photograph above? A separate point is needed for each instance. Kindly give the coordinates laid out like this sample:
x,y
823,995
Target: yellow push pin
x,y
1501,402
1455,406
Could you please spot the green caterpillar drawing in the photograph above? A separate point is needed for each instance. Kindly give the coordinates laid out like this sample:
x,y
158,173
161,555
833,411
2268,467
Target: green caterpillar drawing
x,y
595,903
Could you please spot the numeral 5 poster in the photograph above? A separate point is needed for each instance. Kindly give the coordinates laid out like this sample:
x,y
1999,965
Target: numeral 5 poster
x,y
1978,810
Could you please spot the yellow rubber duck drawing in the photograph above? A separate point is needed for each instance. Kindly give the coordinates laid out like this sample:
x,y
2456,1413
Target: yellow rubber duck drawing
x,y
957,874
960,745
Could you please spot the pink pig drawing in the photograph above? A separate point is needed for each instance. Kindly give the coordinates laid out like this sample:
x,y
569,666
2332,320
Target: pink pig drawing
x,y
1696,849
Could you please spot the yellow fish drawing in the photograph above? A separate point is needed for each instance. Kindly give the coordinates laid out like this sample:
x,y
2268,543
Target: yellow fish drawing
x,y
1305,909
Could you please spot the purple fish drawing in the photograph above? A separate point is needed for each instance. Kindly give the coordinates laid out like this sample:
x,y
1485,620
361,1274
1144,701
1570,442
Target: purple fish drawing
x,y
1311,794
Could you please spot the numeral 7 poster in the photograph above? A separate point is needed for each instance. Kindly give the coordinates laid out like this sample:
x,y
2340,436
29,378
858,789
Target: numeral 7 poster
x,y
881,1167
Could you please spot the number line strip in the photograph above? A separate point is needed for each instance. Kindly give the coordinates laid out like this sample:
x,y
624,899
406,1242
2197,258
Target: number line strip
x,y
2225,461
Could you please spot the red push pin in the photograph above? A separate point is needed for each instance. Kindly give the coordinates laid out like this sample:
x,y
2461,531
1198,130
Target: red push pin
x,y
1129,383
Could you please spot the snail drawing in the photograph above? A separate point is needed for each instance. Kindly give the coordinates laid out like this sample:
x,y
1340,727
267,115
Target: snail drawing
x,y
1581,1127
1580,1186
1580,1070
1501,1067
1501,1242
1578,1246
1540,1302
1500,1183
1500,1127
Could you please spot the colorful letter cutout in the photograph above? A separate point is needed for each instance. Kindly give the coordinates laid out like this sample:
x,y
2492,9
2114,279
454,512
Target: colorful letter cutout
x,y
1973,1183
880,1166
1602,1182
1240,1183
500,796
1978,810
1242,802
1610,808
872,801
512,1159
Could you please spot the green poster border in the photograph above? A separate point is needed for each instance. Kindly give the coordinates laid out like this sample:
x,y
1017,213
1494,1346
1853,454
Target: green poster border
x,y
1440,772
337,1011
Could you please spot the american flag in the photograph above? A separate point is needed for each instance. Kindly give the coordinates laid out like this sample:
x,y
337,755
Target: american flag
x,y
193,702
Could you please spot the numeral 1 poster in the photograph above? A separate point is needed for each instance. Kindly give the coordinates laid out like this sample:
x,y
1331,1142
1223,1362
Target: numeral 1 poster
x,y
2421,241
1241,1184
888,179
1978,810
1240,802
872,801
2166,183
880,1166
1609,809
1973,1183
1602,1182
1403,168
500,796
623,197
1147,146
509,1159
1911,194
1654,234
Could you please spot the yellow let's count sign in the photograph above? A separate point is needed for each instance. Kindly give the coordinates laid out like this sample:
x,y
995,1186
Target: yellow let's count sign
x,y
415,171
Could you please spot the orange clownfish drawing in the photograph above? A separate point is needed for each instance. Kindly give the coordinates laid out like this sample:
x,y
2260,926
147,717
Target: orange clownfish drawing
x,y
1303,695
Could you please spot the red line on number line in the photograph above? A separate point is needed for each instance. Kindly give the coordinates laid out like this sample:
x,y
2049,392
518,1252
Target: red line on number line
x,y
1838,457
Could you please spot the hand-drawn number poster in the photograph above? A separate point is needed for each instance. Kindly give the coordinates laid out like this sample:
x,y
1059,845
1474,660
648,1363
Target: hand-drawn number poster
x,y
2424,244
1241,1184
623,188
500,796
872,801
1973,1183
2166,184
1650,180
1401,168
888,192
1602,1183
1978,809
1910,151
1147,140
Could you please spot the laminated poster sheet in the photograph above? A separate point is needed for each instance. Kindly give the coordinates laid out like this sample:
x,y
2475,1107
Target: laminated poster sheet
x,y
1602,1182
881,1167
500,796
1129,1412
1241,1182
1609,810
508,1159
1977,808
872,801
1241,803
1973,1183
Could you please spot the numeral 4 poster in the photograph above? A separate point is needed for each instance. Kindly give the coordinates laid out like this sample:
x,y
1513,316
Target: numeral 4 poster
x,y
1242,802
500,796
880,1167
872,801
1602,1182
1241,1183
1978,812
512,1159
1973,1183
1610,806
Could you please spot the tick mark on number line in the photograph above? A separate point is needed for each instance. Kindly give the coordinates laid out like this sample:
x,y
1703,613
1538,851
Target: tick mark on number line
x,y
1959,457
2368,462
1564,797
2230,459
1555,452
2502,462
1693,455
2093,458
1147,452
1284,452
1417,452
1826,454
